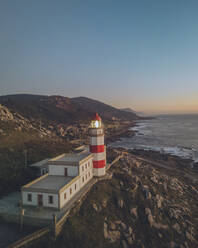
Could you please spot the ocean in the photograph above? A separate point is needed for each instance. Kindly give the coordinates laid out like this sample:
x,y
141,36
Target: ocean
x,y
172,134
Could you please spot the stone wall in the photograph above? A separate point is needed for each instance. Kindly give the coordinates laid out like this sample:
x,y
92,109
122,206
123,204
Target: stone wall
x,y
30,238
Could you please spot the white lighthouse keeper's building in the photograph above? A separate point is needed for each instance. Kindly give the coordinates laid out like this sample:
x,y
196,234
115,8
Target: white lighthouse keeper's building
x,y
68,173
97,147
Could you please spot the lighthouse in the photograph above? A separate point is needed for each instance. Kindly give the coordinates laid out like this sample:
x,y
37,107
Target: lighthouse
x,y
97,147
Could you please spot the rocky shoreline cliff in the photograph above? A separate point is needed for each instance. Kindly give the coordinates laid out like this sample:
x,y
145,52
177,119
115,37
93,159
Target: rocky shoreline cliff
x,y
148,203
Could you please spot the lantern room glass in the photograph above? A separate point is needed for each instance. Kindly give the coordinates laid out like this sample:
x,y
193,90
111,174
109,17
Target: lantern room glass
x,y
96,124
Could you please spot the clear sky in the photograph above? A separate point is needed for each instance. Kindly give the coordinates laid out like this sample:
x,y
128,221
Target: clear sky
x,y
141,54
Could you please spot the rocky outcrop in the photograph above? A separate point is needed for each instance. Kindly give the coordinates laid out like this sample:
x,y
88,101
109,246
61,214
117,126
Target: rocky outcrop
x,y
118,230
96,207
142,206
152,221
17,122
112,235
120,203
133,212
159,200
5,114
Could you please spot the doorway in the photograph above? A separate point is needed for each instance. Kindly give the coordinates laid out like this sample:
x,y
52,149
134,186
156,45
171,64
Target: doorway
x,y
40,200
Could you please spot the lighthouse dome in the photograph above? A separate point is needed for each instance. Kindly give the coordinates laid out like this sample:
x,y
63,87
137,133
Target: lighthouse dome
x,y
96,117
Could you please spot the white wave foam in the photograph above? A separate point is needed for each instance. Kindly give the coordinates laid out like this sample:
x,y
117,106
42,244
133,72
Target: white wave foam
x,y
165,135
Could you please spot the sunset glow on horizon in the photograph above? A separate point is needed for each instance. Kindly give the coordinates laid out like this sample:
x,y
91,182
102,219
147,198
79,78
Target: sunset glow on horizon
x,y
141,55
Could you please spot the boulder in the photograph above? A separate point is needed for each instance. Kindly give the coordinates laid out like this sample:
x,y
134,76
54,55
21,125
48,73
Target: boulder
x,y
189,236
146,193
136,179
165,186
149,216
5,114
152,221
112,226
118,222
137,163
133,211
159,200
123,225
154,179
121,183
130,230
96,208
120,203
130,240
111,236
105,231
177,227
104,203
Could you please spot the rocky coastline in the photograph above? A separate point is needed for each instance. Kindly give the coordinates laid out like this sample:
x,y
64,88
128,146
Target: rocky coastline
x,y
124,132
150,202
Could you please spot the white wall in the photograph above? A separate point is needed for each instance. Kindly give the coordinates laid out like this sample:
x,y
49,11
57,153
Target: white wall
x,y
98,140
25,198
87,175
84,167
99,172
63,201
99,156
59,170
95,131
34,201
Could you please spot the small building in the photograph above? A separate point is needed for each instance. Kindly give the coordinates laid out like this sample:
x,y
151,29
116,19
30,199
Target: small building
x,y
41,167
68,173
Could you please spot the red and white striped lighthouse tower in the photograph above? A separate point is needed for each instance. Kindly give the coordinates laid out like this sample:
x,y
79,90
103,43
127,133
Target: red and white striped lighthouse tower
x,y
97,147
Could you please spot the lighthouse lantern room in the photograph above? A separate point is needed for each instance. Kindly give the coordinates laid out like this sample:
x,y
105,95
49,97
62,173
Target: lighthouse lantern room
x,y
97,147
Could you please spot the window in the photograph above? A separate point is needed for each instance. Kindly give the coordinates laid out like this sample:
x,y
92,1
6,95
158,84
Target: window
x,y
66,172
65,196
86,176
29,196
70,191
82,168
50,199
89,174
86,166
83,179
75,186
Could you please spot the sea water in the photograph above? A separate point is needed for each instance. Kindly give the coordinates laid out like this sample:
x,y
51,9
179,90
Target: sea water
x,y
173,134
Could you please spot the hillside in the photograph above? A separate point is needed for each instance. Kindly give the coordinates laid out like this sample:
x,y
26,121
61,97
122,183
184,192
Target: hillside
x,y
58,116
145,205
106,111
128,110
134,112
62,109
